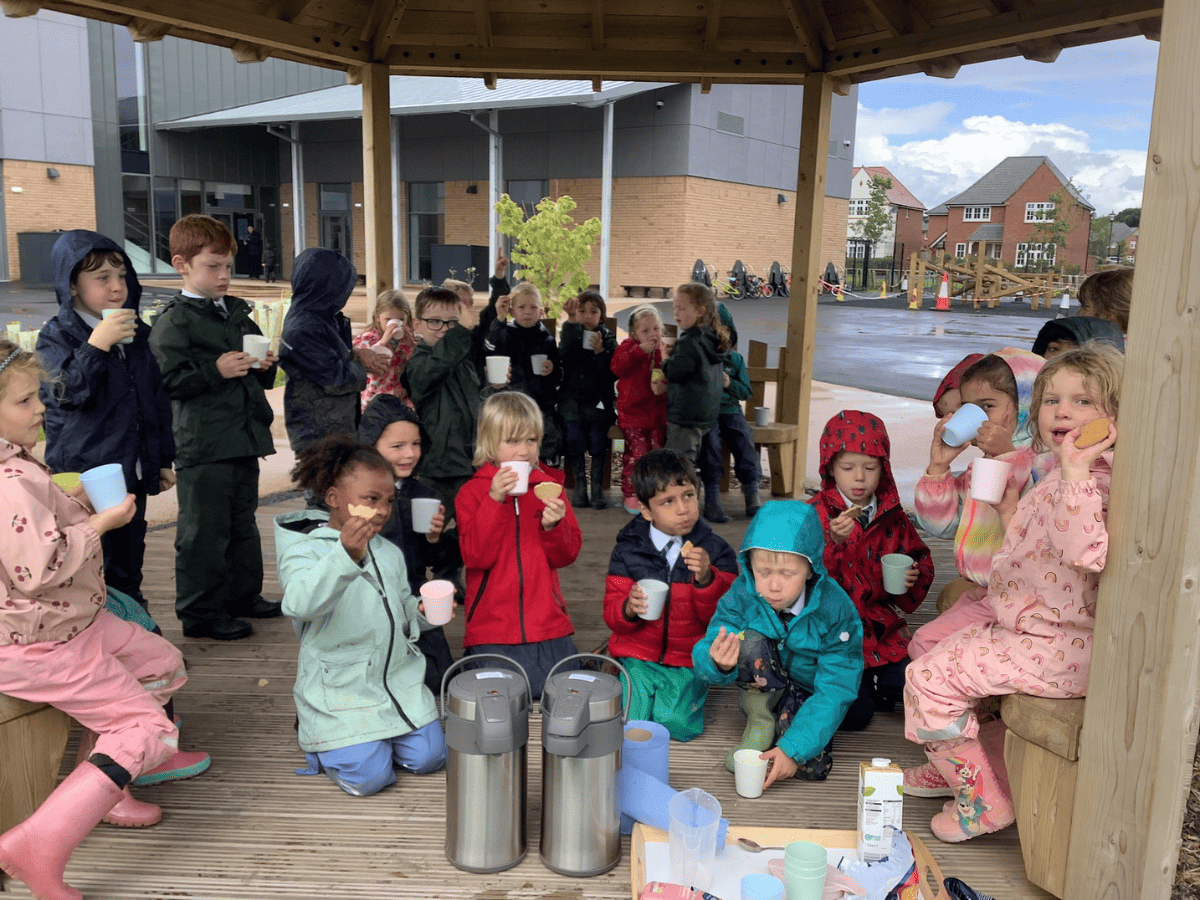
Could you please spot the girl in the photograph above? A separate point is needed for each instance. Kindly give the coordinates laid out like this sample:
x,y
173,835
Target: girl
x,y
641,395
694,369
392,428
390,335
585,401
359,694
513,545
58,645
1037,638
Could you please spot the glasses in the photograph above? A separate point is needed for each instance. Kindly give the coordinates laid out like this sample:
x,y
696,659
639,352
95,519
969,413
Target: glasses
x,y
439,324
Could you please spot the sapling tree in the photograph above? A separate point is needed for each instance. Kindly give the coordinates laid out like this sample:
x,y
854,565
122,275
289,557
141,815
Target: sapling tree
x,y
878,219
550,249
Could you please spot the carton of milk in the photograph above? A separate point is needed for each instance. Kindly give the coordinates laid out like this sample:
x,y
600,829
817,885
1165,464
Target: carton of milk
x,y
880,803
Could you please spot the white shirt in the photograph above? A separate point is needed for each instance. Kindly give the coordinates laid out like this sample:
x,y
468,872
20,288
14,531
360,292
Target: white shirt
x,y
868,509
672,544
219,304
796,607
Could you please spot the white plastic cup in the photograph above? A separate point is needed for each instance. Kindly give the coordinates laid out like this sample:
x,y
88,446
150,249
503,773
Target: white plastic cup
x,y
438,597
423,511
256,346
497,369
589,340
762,415
749,773
398,323
538,360
989,478
104,486
104,314
522,469
656,598
963,425
895,569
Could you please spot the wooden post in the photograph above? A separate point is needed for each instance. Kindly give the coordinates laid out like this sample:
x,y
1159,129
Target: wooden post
x,y
795,379
1139,732
377,178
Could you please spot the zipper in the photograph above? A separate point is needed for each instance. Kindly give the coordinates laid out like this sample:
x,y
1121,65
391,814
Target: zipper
x,y
520,572
666,617
387,662
479,594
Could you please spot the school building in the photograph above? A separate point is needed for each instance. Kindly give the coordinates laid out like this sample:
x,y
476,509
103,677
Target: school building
x,y
104,127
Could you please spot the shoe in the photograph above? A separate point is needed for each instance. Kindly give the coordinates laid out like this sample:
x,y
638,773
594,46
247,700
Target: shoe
x,y
961,891
579,498
179,765
221,628
630,505
760,721
598,501
753,500
975,770
132,813
926,781
260,608
712,508
36,851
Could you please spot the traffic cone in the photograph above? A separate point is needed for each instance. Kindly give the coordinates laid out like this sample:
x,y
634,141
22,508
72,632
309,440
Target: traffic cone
x,y
839,293
943,297
914,299
883,291
1065,302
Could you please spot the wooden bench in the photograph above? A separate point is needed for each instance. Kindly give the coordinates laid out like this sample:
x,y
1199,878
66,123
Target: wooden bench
x,y
645,290
33,737
1041,753
780,439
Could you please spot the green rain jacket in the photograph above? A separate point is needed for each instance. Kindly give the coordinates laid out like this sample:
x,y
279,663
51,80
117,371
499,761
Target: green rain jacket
x,y
821,648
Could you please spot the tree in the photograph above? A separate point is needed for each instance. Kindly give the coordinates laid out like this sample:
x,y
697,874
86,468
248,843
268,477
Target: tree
x,y
1053,226
878,220
550,249
1098,239
1130,216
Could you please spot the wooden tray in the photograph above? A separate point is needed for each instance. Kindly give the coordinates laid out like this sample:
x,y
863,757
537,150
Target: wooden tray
x,y
931,874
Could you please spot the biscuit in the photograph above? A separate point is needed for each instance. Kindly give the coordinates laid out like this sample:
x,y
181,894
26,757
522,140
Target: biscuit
x,y
1092,433
687,545
362,512
854,512
547,490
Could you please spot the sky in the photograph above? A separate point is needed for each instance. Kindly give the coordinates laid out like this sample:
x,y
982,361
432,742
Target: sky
x,y
1089,112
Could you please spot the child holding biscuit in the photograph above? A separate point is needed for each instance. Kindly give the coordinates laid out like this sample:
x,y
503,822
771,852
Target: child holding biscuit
x,y
863,521
1041,598
516,530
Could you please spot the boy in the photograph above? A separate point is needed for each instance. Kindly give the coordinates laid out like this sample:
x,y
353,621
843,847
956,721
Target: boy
x,y
222,427
1060,335
520,340
790,639
657,653
443,384
109,404
862,520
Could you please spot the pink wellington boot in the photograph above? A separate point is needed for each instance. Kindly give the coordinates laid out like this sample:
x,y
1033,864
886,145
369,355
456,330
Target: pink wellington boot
x,y
129,812
982,798
36,851
926,781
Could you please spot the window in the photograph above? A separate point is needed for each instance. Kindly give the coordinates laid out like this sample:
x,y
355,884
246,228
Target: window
x,y
855,249
426,226
1037,212
336,202
977,214
960,250
1030,254
858,207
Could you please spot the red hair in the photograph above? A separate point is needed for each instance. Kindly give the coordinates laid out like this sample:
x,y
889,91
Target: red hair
x,y
196,233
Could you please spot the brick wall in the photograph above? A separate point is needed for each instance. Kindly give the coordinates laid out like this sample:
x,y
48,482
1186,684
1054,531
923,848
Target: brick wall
x,y
1041,184
45,204
908,231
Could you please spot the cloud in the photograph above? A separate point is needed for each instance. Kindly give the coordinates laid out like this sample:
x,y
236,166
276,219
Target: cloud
x,y
937,168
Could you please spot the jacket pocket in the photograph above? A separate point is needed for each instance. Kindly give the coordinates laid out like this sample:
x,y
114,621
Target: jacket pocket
x,y
479,594
350,682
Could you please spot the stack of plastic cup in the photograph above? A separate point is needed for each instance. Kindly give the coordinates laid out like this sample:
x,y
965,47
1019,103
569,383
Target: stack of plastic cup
x,y
758,886
804,865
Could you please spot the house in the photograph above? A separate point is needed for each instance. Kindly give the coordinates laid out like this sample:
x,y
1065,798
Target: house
x,y
999,214
907,215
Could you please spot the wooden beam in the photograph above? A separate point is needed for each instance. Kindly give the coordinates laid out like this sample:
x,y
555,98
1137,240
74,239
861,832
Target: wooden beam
x,y
597,24
1043,51
377,178
895,17
354,75
810,41
841,86
18,9
713,25
597,85
489,81
145,31
389,25
246,52
706,85
815,13
483,23
288,10
1139,731
1151,28
942,68
795,384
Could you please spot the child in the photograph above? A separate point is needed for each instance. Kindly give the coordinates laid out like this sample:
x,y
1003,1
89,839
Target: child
x,y
694,369
1041,597
269,258
641,395
520,340
222,427
512,546
391,427
1106,295
58,645
443,383
359,694
948,398
1002,384
1059,335
390,336
324,372
108,403
791,641
856,472
658,653
586,399
732,431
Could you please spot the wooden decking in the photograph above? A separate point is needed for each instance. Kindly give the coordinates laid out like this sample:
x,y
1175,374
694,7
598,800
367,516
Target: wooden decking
x,y
249,828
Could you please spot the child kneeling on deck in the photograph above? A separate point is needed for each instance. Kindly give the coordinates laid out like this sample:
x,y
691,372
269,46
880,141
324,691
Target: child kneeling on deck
x,y
791,640
360,694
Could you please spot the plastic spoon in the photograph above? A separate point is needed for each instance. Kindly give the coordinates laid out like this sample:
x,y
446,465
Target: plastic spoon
x,y
753,846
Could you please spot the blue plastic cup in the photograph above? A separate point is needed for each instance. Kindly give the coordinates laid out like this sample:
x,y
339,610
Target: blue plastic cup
x,y
758,886
104,486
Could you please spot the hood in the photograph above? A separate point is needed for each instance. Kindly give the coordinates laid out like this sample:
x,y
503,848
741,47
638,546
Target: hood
x,y
382,411
710,345
70,250
322,281
297,527
1025,365
954,377
1079,329
726,318
786,526
859,432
